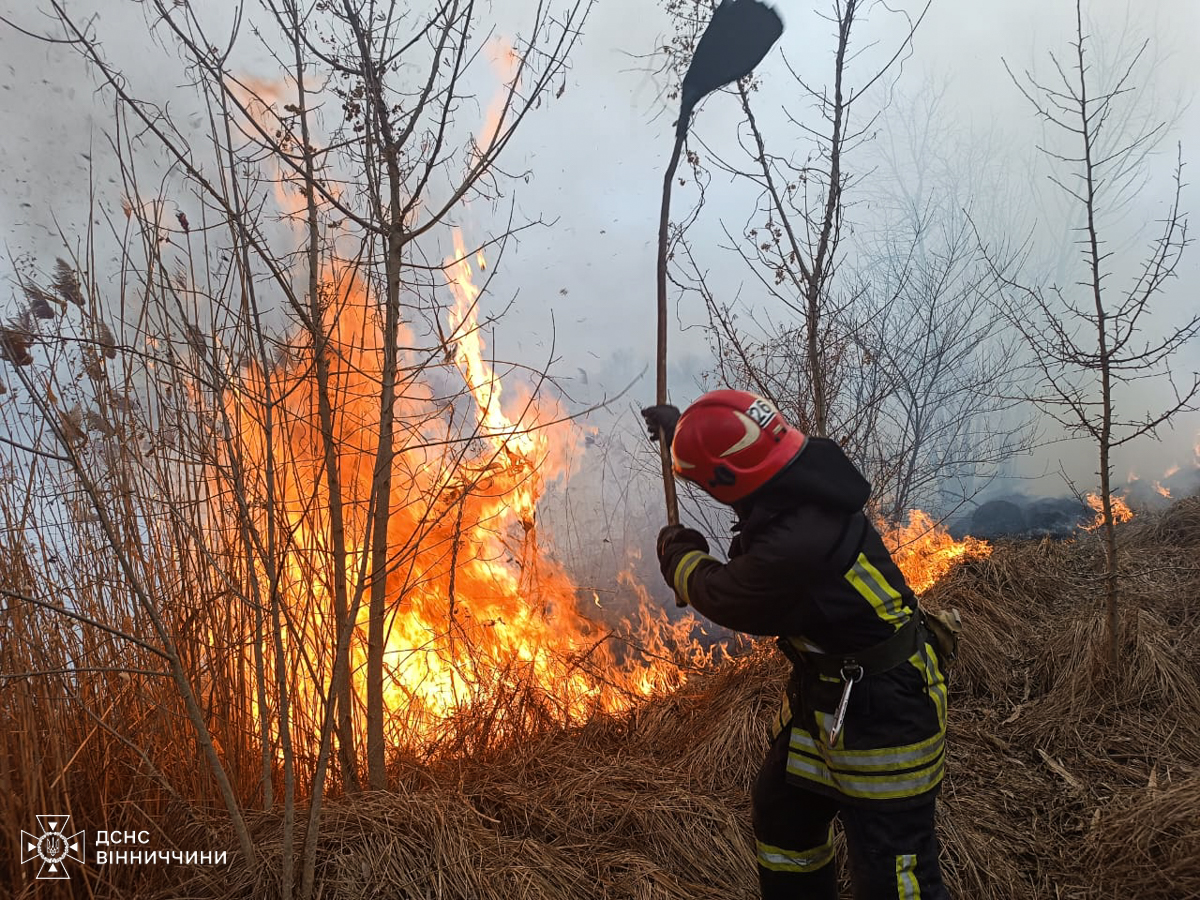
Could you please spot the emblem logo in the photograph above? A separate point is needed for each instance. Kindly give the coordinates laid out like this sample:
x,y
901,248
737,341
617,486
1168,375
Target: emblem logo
x,y
53,846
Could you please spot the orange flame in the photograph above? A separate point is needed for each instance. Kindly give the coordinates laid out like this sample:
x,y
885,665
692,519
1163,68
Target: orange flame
x,y
925,551
1120,510
506,63
1165,492
476,610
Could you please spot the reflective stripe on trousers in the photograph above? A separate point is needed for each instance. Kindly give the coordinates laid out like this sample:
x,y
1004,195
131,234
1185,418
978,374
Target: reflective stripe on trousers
x,y
907,886
888,774
778,859
893,849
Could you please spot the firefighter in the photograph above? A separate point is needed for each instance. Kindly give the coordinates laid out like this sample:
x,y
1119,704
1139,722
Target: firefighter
x,y
861,731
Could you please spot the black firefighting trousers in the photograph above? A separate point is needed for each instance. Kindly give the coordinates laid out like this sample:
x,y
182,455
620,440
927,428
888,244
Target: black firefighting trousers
x,y
893,852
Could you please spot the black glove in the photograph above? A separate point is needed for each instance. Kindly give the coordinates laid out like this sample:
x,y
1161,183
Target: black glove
x,y
673,542
661,418
687,538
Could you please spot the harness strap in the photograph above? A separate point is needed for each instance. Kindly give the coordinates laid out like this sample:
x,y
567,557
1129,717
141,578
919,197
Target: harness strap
x,y
881,657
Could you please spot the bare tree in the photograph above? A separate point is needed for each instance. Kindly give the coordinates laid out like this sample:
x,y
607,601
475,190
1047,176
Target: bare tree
x,y
950,416
891,348
1091,341
946,420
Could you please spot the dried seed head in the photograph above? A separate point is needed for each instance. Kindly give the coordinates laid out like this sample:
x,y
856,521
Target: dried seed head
x,y
66,282
41,304
93,364
71,422
107,341
123,402
41,309
97,422
15,342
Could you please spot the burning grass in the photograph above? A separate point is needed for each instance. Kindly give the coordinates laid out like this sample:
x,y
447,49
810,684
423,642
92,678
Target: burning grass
x,y
528,755
210,531
1065,778
476,609
925,552
1120,509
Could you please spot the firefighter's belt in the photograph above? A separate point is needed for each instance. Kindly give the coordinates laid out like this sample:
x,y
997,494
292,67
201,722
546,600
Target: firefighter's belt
x,y
887,654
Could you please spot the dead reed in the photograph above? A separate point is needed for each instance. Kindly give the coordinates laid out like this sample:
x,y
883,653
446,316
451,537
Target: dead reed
x,y
1066,779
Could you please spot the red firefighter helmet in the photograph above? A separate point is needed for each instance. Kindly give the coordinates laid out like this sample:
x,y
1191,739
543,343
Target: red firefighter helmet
x,y
731,443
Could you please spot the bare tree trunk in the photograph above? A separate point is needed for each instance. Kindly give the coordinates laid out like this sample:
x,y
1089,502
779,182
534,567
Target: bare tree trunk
x,y
340,689
270,556
382,489
251,540
1104,357
381,485
338,709
828,240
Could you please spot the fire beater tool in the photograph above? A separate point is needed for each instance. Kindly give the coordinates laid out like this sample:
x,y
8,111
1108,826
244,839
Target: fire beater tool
x,y
736,39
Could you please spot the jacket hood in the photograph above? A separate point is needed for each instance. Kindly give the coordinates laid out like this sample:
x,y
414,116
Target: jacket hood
x,y
821,474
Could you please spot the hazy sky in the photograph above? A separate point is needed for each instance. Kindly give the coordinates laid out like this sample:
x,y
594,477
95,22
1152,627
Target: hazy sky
x,y
596,155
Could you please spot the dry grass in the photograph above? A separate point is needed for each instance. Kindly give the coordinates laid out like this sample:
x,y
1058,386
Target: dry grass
x,y
1149,839
1066,779
647,806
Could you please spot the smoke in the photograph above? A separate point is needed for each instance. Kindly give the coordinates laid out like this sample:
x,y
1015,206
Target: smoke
x,y
1013,514
595,155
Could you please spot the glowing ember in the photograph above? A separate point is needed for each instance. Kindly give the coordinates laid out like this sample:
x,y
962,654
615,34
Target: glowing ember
x,y
1120,510
925,551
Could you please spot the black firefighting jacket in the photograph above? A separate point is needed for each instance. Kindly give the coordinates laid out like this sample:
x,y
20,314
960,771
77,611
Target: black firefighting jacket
x,y
806,565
